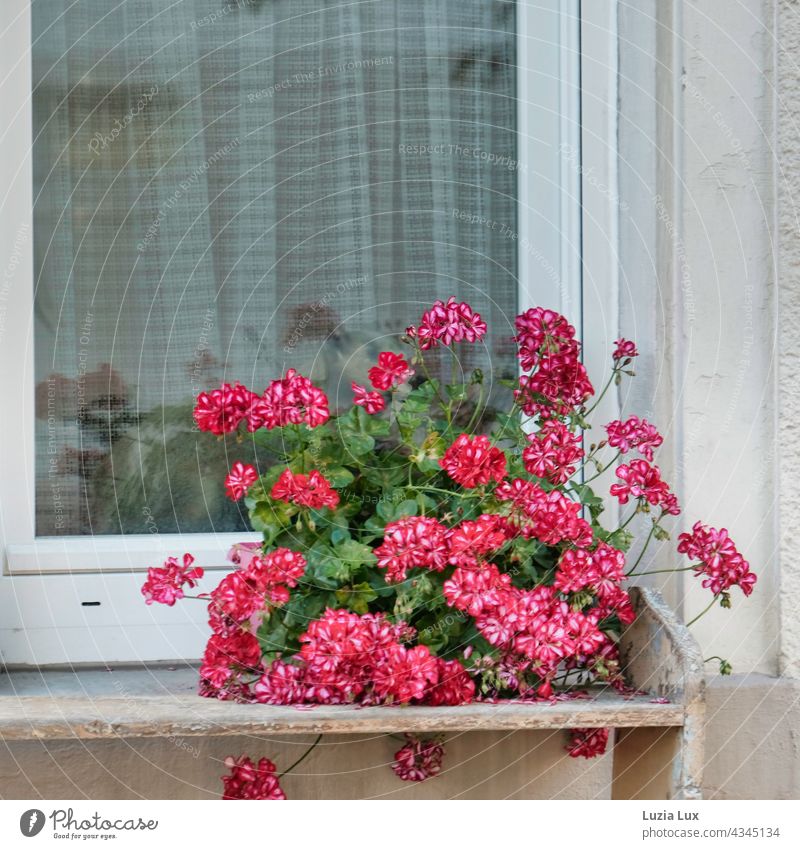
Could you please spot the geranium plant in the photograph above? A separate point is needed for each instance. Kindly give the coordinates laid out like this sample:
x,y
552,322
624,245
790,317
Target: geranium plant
x,y
420,547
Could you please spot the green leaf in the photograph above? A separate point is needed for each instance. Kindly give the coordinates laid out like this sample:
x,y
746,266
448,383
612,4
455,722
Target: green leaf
x,y
408,507
457,391
339,476
355,553
356,597
340,533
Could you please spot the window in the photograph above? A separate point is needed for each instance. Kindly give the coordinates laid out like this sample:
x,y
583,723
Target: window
x,y
219,191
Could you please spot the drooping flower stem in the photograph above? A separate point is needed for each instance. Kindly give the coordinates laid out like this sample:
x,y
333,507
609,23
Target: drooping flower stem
x,y
703,612
302,757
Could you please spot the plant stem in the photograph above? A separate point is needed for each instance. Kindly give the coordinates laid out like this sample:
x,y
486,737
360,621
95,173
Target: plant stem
x,y
702,612
603,470
477,412
302,757
614,372
641,555
656,571
444,405
628,520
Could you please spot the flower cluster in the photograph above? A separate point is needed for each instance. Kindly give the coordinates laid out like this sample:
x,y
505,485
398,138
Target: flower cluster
x,y
587,742
721,565
418,759
548,348
473,461
553,452
164,584
413,557
346,657
550,517
312,490
643,481
445,323
291,400
238,604
240,478
634,433
624,349
372,402
248,780
391,371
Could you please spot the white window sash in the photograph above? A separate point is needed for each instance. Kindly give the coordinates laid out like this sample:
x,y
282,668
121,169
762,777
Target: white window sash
x,y
566,233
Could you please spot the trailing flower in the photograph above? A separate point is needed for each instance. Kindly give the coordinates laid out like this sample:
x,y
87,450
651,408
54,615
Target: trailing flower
x,y
421,548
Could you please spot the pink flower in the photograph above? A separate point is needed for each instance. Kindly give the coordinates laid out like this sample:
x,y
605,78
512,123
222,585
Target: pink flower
x,y
405,673
244,593
553,452
472,539
476,588
239,480
312,490
281,684
551,517
634,433
291,400
348,657
165,583
453,687
587,742
541,333
625,349
418,759
222,410
415,542
448,323
473,461
372,402
600,570
227,654
560,384
641,480
251,781
241,553
507,616
391,371
721,565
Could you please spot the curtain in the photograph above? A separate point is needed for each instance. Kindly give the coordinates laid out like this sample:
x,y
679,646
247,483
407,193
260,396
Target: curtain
x,y
225,190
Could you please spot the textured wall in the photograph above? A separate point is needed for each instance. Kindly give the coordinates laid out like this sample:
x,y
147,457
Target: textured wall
x,y
788,178
728,325
477,765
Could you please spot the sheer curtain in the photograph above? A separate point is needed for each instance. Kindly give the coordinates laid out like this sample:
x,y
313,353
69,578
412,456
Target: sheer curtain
x,y
223,190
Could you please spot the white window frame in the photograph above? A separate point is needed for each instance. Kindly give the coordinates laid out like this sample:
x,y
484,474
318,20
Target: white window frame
x,y
76,599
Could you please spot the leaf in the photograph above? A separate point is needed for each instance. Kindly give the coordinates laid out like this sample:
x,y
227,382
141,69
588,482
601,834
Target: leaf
x,y
356,597
408,507
355,553
457,391
339,476
339,534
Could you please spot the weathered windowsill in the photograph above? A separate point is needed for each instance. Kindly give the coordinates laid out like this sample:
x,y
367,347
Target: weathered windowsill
x,y
159,702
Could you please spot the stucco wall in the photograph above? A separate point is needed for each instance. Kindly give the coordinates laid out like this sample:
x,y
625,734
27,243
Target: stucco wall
x,y
788,180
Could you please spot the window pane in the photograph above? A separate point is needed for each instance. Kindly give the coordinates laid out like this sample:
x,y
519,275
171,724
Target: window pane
x,y
225,190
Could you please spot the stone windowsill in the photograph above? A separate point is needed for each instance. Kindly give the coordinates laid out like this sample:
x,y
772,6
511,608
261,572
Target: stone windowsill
x,y
161,701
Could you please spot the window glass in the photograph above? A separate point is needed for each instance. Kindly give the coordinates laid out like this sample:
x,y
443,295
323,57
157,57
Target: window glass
x,y
223,190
